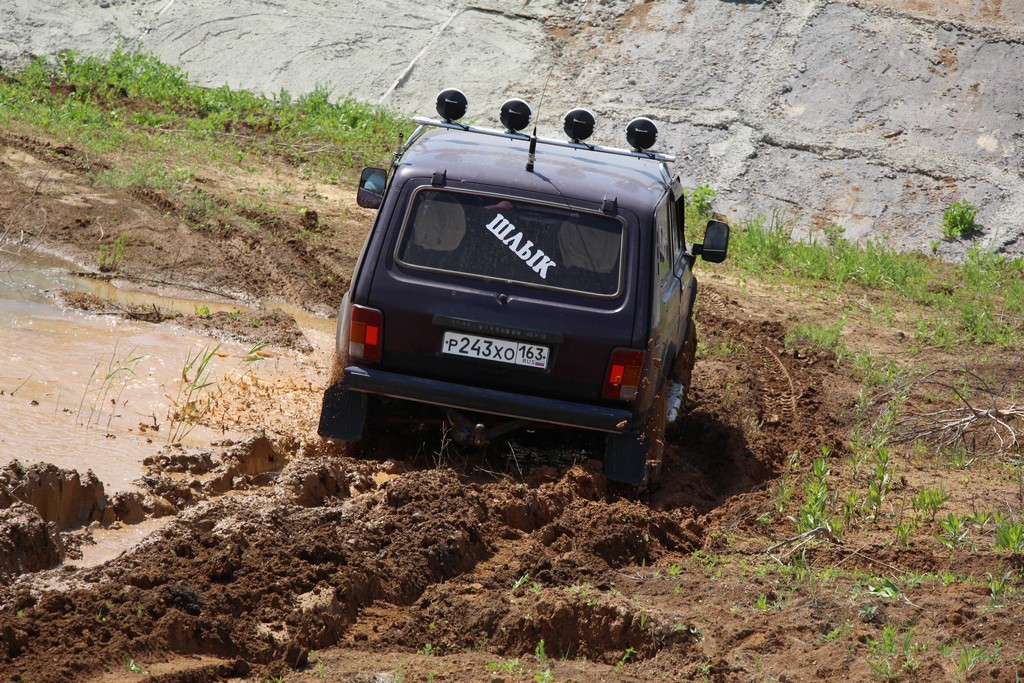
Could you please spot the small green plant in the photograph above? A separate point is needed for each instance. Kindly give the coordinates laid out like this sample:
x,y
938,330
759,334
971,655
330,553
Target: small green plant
x,y
886,588
879,479
1009,535
700,205
980,519
893,653
202,311
512,666
112,381
930,501
520,582
111,257
904,530
813,514
674,570
954,531
196,397
133,666
958,220
783,492
538,652
317,669
624,658
761,603
840,631
193,401
965,658
427,650
544,676
997,587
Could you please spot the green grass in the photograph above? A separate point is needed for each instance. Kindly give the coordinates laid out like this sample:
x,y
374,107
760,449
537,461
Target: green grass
x,y
980,301
132,99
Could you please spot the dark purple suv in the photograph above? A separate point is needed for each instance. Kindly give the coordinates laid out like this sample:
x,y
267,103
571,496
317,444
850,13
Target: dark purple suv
x,y
510,281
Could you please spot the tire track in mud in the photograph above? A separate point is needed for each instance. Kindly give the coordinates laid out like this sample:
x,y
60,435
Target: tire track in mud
x,y
65,157
749,413
776,392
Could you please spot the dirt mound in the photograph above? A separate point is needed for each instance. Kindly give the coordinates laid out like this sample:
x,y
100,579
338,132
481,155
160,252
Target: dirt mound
x,y
63,497
27,542
48,512
274,327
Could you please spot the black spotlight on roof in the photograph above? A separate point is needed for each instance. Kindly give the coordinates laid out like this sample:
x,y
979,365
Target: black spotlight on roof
x,y
578,124
515,115
452,104
641,133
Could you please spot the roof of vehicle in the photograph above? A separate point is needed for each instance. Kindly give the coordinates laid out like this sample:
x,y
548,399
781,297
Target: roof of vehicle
x,y
574,172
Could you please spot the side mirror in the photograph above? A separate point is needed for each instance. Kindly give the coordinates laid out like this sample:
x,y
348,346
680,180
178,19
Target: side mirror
x,y
372,182
716,242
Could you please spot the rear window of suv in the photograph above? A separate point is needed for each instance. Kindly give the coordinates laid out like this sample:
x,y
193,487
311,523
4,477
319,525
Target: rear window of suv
x,y
498,238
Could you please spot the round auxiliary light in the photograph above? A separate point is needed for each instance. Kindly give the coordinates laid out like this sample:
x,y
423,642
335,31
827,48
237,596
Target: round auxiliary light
x,y
578,124
641,133
515,115
451,104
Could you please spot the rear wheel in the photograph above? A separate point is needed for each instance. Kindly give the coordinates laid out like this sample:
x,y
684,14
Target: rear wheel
x,y
682,368
635,457
655,433
343,412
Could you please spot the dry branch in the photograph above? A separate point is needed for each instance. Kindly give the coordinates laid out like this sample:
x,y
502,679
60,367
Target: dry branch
x,y
981,416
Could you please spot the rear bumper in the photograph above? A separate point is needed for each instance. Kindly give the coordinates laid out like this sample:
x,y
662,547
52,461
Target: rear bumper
x,y
462,397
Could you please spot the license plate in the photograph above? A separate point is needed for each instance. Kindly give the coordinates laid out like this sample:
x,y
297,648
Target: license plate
x,y
500,350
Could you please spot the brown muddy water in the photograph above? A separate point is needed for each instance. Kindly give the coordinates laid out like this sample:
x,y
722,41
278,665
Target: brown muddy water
x,y
97,392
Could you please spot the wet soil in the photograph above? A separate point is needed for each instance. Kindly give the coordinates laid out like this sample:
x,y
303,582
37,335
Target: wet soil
x,y
287,557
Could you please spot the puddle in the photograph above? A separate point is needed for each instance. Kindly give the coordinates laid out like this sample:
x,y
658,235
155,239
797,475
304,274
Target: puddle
x,y
109,543
91,392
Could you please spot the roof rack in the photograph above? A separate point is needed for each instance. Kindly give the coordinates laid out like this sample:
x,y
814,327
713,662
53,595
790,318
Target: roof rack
x,y
641,133
424,121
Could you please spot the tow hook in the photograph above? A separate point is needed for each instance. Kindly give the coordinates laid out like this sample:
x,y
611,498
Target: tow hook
x,y
478,437
476,434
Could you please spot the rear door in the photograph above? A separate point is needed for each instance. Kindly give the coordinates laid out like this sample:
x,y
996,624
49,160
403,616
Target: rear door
x,y
669,291
505,293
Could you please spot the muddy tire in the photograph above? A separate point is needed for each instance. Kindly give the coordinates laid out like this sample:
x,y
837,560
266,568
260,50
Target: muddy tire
x,y
635,457
655,435
682,368
343,413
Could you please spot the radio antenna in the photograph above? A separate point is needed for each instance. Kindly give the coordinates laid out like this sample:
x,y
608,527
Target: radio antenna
x,y
533,138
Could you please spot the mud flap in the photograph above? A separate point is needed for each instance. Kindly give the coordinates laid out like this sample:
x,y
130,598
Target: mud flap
x,y
342,414
625,458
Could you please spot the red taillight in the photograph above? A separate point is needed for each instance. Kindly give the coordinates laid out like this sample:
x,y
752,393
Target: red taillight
x,y
624,372
365,333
